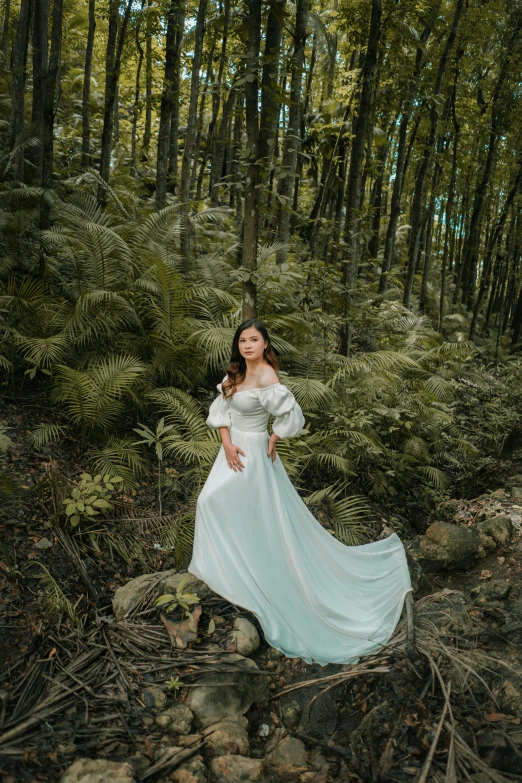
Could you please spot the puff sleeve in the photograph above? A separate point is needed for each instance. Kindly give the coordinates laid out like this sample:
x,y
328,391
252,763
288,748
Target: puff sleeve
x,y
219,412
281,403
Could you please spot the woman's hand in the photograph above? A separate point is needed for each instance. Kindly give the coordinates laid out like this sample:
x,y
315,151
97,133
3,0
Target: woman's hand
x,y
233,459
272,446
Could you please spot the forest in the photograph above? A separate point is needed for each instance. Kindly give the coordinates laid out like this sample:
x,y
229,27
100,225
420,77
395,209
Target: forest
x,y
348,172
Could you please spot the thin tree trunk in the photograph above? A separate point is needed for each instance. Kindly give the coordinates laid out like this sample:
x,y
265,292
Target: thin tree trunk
x,y
18,73
221,145
136,105
148,78
190,135
86,97
418,196
166,107
251,210
291,144
113,64
176,98
216,102
4,42
349,274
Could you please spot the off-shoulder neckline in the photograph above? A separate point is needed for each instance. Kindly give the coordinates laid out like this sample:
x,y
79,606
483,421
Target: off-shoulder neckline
x,y
260,388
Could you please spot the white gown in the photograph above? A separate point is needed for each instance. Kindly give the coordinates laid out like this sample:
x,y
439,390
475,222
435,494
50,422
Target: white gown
x,y
257,544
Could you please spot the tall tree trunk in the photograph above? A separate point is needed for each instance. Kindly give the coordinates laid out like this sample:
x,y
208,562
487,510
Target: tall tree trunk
x,y
493,241
269,94
166,106
353,199
49,94
136,104
18,73
471,248
216,102
113,64
402,161
418,195
40,65
86,97
291,144
147,131
251,210
190,134
4,41
200,120
176,98
221,145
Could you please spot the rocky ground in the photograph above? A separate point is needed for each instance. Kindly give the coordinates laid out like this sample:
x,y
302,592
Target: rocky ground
x,y
124,690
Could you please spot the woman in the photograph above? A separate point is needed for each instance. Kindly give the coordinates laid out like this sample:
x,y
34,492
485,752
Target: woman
x,y
257,544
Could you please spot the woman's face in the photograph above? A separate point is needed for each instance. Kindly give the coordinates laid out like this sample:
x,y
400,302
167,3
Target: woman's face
x,y
251,344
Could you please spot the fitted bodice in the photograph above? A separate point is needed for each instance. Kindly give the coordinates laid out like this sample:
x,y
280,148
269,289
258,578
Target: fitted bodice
x,y
249,410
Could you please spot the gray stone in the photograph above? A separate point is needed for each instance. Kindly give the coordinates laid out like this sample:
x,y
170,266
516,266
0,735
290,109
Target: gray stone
x,y
496,590
430,556
98,771
43,543
318,761
291,713
499,494
499,527
228,694
139,763
447,509
129,595
245,635
290,751
154,698
192,771
178,719
449,614
235,769
460,543
229,735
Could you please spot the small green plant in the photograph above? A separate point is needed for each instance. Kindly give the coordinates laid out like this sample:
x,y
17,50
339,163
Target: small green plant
x,y
174,684
156,439
169,601
91,495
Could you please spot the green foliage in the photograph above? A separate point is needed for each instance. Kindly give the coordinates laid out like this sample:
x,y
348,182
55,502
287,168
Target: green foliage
x,y
90,497
169,602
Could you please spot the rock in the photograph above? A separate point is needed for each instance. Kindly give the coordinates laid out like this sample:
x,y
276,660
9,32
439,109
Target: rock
x,y
290,751
486,542
516,737
291,714
189,739
499,528
512,694
318,761
447,510
496,590
229,735
128,596
193,771
98,771
449,614
245,636
154,698
499,494
228,694
516,493
139,763
514,481
460,543
513,632
430,556
235,769
178,719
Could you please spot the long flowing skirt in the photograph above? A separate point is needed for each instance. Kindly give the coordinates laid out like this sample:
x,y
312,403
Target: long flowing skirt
x,y
257,544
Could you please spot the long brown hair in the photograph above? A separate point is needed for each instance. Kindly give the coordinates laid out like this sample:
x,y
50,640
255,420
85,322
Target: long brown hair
x,y
236,369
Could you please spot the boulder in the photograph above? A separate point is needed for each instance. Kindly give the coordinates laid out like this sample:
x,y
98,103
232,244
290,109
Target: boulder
x,y
235,769
289,751
192,771
449,613
499,528
460,543
229,735
127,596
245,636
228,694
291,714
430,556
496,590
178,719
98,771
447,510
154,698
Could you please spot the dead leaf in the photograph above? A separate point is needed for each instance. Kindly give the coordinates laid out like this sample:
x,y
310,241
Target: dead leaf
x,y
485,574
495,717
185,631
51,654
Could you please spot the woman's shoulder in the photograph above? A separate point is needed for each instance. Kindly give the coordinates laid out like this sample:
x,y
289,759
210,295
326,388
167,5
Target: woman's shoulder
x,y
268,378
